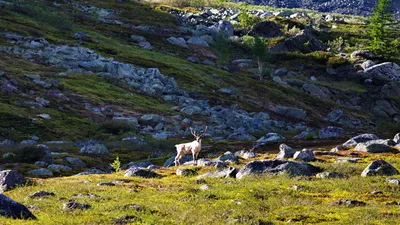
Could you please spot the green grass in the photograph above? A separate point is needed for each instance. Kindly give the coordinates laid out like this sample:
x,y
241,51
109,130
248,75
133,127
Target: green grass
x,y
178,200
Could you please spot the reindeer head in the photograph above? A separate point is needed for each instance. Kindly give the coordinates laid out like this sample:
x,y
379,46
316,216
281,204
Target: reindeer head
x,y
197,136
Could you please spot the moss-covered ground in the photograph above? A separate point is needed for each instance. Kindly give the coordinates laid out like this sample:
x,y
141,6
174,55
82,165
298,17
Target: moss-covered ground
x,y
251,200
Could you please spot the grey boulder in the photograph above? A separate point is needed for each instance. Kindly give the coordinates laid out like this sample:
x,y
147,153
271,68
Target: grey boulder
x,y
12,209
291,112
141,172
10,179
376,146
40,172
277,167
379,168
285,152
223,28
331,132
352,142
305,155
96,148
270,137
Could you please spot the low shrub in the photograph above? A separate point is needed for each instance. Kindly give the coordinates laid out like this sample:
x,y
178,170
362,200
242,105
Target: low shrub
x,y
118,127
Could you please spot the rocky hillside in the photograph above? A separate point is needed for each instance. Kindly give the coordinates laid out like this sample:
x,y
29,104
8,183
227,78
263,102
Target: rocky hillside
x,y
352,7
113,78
95,95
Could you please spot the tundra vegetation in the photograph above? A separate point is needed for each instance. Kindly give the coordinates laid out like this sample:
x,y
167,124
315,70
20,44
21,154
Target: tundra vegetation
x,y
112,86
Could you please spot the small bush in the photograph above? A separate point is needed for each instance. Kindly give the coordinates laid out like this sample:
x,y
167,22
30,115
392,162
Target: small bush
x,y
246,20
292,31
116,165
336,61
193,3
43,13
338,44
28,154
118,127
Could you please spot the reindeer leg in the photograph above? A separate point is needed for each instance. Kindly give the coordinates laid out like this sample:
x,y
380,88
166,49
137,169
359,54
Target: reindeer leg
x,y
197,156
177,160
194,159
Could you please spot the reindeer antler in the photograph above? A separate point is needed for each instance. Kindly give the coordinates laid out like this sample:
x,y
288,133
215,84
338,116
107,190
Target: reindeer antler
x,y
193,132
204,132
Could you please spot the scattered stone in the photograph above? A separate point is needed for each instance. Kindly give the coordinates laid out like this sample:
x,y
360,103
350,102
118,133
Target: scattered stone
x,y
75,161
393,181
277,167
367,64
145,45
241,135
329,175
285,152
331,132
9,179
334,116
178,41
91,171
87,196
94,149
249,155
59,168
379,168
133,206
106,184
224,173
396,138
44,116
197,41
126,219
185,172
270,137
82,36
72,205
348,203
376,146
393,203
387,71
141,172
138,38
347,160
229,156
205,187
28,142
362,138
376,193
363,54
305,155
297,188
266,29
41,172
223,27
12,209
337,149
291,112
40,194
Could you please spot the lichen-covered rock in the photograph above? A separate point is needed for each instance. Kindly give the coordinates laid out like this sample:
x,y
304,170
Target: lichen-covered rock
x,y
379,168
291,112
59,168
141,172
221,173
185,172
376,146
352,142
229,156
12,209
270,137
285,152
10,179
329,175
41,172
331,132
40,194
306,155
98,148
277,167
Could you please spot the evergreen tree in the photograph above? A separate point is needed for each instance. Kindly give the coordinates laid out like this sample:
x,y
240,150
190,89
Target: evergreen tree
x,y
260,51
381,43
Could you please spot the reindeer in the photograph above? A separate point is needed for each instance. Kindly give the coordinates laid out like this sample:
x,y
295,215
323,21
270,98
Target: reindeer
x,y
193,147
